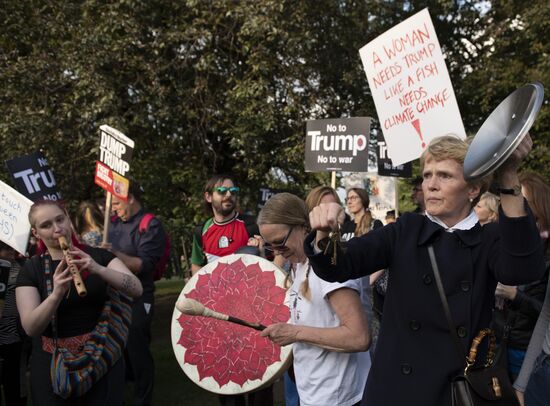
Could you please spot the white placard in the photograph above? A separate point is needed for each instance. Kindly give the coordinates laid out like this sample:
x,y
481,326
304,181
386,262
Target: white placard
x,y
411,87
14,222
381,190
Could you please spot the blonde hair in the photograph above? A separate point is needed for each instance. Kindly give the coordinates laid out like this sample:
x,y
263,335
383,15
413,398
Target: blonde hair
x,y
492,202
452,147
287,209
314,197
88,218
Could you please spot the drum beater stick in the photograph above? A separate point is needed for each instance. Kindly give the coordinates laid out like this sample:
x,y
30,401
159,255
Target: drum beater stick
x,y
193,308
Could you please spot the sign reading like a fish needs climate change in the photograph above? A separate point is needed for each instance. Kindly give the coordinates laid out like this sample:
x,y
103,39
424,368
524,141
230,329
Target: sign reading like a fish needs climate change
x,y
337,144
411,87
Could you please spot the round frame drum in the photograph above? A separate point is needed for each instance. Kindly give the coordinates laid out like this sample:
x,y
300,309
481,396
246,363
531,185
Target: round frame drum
x,y
224,357
503,130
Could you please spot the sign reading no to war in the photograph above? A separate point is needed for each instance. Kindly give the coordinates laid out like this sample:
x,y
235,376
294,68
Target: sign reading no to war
x,y
14,222
411,87
337,144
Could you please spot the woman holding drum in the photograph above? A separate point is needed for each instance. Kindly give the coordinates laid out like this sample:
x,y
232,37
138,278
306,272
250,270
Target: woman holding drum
x,y
416,356
56,316
328,327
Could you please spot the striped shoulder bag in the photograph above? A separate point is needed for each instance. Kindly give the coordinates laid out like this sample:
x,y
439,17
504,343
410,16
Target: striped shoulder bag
x,y
73,374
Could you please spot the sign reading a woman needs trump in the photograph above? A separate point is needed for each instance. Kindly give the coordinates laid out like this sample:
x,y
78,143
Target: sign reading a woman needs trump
x,y
411,87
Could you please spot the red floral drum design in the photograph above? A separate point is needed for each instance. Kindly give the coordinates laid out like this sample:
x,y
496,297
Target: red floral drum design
x,y
224,357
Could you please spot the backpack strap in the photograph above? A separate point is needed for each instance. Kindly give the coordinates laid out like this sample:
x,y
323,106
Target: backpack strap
x,y
144,222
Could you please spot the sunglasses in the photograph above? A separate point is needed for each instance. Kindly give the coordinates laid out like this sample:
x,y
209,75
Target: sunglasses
x,y
279,247
222,190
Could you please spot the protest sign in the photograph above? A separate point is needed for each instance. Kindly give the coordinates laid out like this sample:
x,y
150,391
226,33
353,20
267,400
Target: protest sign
x,y
33,177
382,193
337,144
115,149
411,87
111,181
265,193
381,190
115,152
14,222
385,164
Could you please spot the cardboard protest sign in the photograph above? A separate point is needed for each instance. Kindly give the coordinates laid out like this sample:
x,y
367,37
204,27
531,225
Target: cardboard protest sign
x,y
411,87
14,223
381,190
337,144
115,149
33,177
385,164
111,181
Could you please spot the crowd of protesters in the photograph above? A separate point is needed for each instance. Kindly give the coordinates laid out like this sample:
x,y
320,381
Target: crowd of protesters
x,y
368,330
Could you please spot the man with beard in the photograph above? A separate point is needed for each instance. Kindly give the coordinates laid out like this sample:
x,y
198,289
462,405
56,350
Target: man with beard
x,y
140,249
225,232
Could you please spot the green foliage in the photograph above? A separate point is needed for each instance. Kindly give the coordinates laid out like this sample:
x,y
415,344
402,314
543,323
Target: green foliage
x,y
221,86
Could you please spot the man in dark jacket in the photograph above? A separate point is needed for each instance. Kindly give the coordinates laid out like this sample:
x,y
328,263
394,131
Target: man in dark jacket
x,y
140,252
520,311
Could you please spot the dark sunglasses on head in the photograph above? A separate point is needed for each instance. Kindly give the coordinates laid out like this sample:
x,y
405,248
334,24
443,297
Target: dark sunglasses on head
x,y
222,190
279,247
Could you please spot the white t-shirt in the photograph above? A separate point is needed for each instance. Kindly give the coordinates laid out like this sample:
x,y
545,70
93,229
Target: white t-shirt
x,y
324,377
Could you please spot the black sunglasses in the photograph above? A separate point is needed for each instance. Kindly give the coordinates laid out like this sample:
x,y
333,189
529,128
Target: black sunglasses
x,y
222,190
279,247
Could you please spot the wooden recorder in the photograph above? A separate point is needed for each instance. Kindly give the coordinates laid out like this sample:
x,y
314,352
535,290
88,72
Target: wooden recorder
x,y
75,273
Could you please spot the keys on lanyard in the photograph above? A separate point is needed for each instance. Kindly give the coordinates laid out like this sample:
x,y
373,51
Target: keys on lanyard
x,y
333,246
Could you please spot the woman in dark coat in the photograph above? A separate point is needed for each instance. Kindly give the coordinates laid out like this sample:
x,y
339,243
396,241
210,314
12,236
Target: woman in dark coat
x,y
416,357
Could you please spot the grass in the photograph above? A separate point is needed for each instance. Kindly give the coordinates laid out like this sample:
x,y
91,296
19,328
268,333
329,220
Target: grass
x,y
172,387
168,287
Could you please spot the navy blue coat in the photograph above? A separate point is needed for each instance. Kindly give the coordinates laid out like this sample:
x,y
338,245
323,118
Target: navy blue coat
x,y
415,355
